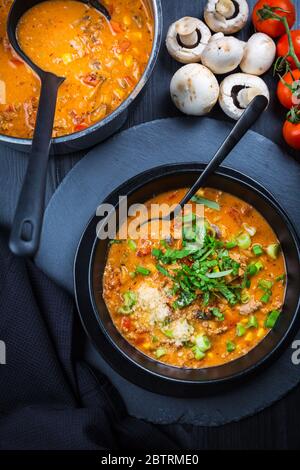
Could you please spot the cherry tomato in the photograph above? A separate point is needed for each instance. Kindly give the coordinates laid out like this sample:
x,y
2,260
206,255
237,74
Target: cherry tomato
x,y
291,134
80,127
126,324
284,93
273,27
283,46
116,27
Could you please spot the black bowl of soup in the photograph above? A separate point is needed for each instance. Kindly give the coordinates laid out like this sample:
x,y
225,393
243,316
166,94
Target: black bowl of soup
x,y
106,64
178,319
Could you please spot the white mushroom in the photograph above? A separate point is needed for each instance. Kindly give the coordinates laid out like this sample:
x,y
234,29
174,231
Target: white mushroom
x,y
238,90
186,39
223,53
194,89
226,16
259,54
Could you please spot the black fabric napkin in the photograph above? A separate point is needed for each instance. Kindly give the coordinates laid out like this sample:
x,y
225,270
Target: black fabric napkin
x,y
49,399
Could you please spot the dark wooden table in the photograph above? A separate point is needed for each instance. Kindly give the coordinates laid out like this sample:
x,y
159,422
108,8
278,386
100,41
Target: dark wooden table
x,y
276,427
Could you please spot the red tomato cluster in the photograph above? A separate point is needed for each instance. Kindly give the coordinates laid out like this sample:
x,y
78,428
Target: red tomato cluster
x,y
288,90
285,89
273,27
283,46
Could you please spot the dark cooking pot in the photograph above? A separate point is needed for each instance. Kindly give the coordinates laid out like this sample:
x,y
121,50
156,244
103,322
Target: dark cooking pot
x,y
113,122
131,363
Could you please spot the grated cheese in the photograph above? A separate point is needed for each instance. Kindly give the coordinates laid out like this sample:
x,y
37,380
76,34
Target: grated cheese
x,y
151,300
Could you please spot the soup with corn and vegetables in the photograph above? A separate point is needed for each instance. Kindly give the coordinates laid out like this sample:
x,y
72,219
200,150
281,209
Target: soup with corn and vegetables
x,y
198,307
101,60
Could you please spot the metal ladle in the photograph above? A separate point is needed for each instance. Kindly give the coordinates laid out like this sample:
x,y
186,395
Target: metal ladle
x,y
27,223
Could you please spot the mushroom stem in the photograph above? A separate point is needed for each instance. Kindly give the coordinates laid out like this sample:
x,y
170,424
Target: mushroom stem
x,y
246,95
187,33
225,8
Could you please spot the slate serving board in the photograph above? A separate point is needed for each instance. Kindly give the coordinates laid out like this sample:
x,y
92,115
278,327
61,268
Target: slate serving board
x,y
123,156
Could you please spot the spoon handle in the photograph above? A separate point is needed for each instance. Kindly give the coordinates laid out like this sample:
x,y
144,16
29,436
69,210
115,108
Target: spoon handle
x,y
249,116
100,7
27,224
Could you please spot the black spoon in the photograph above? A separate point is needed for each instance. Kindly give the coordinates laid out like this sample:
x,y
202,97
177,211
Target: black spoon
x,y
27,224
248,118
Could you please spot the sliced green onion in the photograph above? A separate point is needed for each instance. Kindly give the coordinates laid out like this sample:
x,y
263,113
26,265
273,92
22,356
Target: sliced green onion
x,y
272,318
259,265
168,333
266,297
130,300
230,346
132,245
217,274
142,270
265,284
250,230
203,343
206,202
156,253
189,233
125,310
115,242
160,352
209,228
252,322
280,278
254,268
243,241
206,297
231,244
185,299
257,250
198,354
162,270
240,329
273,250
188,218
245,297
216,313
164,243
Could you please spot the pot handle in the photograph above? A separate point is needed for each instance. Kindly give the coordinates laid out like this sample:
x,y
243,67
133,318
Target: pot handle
x,y
27,223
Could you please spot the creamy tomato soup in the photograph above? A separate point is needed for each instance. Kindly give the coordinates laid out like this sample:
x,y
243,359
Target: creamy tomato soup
x,y
101,60
198,308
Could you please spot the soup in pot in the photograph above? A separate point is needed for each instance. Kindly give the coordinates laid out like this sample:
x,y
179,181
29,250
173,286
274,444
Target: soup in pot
x,y
206,298
101,60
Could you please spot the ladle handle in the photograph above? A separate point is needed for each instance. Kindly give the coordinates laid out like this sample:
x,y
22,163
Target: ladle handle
x,y
248,118
27,224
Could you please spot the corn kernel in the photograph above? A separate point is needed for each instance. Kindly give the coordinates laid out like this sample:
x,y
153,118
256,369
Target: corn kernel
x,y
67,58
244,321
151,267
119,93
136,35
249,336
210,355
127,20
146,346
128,61
260,333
